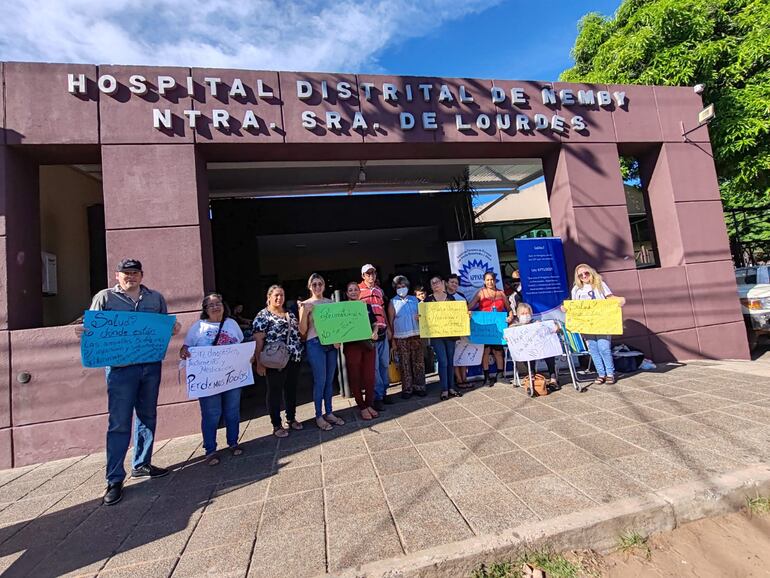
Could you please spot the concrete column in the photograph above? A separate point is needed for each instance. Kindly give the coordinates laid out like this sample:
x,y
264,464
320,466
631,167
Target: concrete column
x,y
21,298
156,210
693,248
589,213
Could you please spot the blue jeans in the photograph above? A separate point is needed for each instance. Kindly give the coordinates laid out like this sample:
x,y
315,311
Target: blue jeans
x,y
323,362
600,348
445,355
133,388
213,407
381,365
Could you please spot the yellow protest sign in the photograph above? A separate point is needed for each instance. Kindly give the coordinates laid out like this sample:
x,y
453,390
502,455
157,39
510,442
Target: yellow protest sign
x,y
594,316
444,319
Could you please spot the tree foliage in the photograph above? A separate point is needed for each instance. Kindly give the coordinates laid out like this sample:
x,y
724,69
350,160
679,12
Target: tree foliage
x,y
723,44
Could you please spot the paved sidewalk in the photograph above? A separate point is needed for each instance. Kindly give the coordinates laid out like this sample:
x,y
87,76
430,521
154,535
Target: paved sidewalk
x,y
424,474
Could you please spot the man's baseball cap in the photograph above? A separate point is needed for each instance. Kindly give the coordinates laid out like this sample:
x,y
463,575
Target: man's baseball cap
x,y
367,267
129,265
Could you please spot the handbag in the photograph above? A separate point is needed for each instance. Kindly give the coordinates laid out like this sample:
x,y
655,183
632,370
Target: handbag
x,y
275,355
541,387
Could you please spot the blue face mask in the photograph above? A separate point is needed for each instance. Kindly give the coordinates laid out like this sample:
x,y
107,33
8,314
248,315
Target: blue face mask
x,y
402,291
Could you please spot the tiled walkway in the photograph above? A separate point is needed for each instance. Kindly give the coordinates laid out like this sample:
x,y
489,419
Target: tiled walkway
x,y
424,474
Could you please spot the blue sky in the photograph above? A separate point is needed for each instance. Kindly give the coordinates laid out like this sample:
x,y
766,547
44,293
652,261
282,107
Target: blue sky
x,y
512,39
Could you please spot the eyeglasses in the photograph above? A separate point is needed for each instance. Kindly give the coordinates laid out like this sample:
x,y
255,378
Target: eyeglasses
x,y
584,274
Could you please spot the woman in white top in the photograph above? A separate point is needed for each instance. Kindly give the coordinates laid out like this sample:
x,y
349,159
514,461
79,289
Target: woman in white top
x,y
215,327
322,358
589,285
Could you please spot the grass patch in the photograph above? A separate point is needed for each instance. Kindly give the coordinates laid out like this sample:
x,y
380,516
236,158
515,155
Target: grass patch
x,y
632,541
758,505
555,566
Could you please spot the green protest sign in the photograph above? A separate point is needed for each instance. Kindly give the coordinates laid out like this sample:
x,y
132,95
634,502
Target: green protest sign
x,y
342,322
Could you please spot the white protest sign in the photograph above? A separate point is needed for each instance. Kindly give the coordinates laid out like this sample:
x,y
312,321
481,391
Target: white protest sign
x,y
533,341
468,354
212,370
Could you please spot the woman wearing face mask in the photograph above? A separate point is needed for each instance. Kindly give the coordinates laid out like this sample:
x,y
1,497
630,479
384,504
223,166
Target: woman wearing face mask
x,y
589,285
359,360
322,358
490,298
524,316
404,319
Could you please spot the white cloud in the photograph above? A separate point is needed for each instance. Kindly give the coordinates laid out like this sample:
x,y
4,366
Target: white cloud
x,y
347,35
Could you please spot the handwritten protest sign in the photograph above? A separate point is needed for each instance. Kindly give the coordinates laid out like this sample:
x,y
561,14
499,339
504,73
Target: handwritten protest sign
x,y
444,319
342,322
468,354
533,341
487,327
212,370
124,337
594,316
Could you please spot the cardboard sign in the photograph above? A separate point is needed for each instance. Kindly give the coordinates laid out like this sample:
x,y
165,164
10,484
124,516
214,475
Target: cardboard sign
x,y
468,354
211,370
594,316
342,322
533,341
444,319
124,337
487,327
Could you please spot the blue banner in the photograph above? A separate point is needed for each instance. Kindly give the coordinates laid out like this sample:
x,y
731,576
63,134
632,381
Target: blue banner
x,y
487,327
543,274
124,337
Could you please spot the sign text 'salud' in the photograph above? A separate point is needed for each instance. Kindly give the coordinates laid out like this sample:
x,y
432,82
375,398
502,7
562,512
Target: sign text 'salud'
x,y
335,120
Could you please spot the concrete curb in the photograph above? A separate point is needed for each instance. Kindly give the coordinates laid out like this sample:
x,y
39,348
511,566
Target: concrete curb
x,y
597,528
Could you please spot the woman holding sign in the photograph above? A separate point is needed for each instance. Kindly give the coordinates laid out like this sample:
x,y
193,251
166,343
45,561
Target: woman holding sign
x,y
216,327
490,298
360,360
444,346
322,358
589,285
278,352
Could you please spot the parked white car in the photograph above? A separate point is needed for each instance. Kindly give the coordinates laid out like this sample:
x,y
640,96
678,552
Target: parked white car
x,y
754,293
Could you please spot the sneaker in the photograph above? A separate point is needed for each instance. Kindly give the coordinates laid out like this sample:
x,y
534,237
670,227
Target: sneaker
x,y
149,471
113,494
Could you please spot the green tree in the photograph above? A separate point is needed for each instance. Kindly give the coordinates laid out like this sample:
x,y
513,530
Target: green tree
x,y
723,44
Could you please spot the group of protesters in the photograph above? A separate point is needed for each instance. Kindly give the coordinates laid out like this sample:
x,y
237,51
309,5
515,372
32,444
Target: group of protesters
x,y
133,389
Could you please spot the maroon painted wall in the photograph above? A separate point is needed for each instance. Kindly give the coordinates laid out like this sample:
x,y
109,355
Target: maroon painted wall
x,y
155,197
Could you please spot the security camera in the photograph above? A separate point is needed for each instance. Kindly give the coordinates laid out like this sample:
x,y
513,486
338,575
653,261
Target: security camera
x,y
699,88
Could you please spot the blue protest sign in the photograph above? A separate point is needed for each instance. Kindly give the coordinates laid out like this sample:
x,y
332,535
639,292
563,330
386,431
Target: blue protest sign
x,y
543,273
124,337
487,327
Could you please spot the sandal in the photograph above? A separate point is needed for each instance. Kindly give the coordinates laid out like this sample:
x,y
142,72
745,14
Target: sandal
x,y
453,393
465,385
295,425
599,380
280,432
212,459
444,396
323,424
333,419
236,450
366,414
610,380
373,412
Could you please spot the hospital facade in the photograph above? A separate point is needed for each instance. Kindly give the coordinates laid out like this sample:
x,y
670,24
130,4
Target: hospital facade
x,y
234,179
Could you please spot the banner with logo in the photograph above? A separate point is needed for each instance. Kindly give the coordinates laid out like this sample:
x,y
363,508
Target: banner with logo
x,y
471,260
543,275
